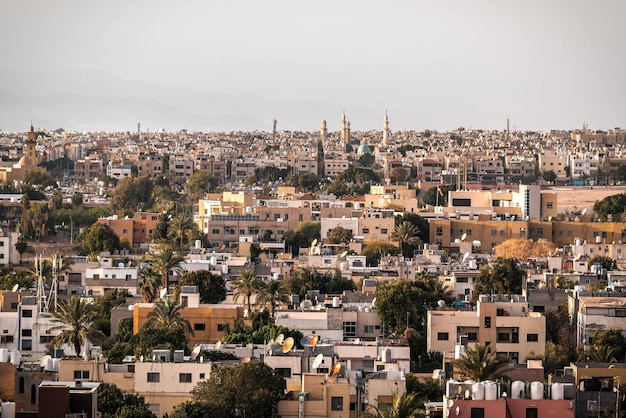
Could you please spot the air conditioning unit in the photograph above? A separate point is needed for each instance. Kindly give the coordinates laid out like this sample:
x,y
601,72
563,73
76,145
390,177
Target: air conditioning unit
x,y
592,406
514,329
459,329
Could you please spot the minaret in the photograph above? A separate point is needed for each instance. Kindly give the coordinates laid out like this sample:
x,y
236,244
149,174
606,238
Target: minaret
x,y
31,142
386,131
323,131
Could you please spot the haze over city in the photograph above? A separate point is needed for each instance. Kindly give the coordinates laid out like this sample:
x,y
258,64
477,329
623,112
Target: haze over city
x,y
238,65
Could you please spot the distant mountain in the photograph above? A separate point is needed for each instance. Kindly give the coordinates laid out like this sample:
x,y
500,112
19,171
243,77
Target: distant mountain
x,y
96,100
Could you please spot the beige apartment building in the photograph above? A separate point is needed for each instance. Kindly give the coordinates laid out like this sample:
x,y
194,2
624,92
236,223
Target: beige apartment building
x,y
503,322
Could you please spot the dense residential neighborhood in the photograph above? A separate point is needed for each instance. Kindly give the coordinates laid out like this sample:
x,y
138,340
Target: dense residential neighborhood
x,y
466,273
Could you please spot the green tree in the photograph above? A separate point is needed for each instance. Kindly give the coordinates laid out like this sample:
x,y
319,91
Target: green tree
x,y
549,176
366,160
199,184
250,390
339,235
480,364
130,194
430,196
113,403
607,263
407,235
603,354
611,338
166,260
77,199
302,237
75,317
35,221
212,287
376,250
245,287
406,405
21,246
398,175
148,284
181,228
611,205
166,314
159,233
98,238
271,294
420,222
503,277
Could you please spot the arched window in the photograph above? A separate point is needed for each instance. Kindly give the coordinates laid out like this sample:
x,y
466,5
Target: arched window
x,y
21,384
33,394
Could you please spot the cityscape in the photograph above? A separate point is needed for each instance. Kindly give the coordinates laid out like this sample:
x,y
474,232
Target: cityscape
x,y
328,210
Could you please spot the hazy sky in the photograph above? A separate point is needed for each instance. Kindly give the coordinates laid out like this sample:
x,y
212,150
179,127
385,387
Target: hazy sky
x,y
433,64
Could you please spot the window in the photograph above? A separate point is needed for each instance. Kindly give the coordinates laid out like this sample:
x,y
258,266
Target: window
x,y
487,322
462,279
215,231
477,413
199,327
27,333
620,312
366,230
532,413
184,377
202,376
21,384
45,339
383,230
336,403
6,339
27,345
221,327
153,377
27,313
503,337
81,374
368,329
439,231
472,336
532,337
283,371
442,336
349,329
549,205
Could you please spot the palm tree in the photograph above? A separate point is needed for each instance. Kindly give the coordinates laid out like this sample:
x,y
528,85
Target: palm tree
x,y
180,227
166,260
403,406
245,286
603,354
479,364
148,284
407,235
166,314
272,293
75,317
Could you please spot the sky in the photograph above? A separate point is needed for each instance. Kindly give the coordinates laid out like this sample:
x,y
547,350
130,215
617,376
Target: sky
x,y
545,64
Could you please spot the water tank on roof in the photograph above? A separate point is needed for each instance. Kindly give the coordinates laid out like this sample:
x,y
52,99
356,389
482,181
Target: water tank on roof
x,y
478,391
491,391
198,244
517,390
536,390
336,301
4,355
16,358
8,409
557,391
386,356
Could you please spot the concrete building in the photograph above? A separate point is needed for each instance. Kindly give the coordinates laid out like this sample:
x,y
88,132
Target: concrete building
x,y
137,230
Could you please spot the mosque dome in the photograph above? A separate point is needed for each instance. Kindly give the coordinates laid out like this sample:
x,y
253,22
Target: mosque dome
x,y
363,149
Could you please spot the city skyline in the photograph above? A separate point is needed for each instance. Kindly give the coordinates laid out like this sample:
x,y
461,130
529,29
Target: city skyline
x,y
213,65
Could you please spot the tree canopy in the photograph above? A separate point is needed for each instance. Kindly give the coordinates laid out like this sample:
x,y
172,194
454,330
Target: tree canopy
x,y
212,287
611,205
131,194
503,277
523,249
98,238
479,363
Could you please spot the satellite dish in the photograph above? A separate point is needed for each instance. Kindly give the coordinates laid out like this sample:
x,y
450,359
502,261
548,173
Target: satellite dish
x,y
318,361
314,340
316,250
456,411
287,345
344,254
217,345
332,376
305,340
450,403
466,256
463,237
550,218
262,247
245,360
222,247
467,393
15,287
584,212
163,292
279,340
196,351
314,242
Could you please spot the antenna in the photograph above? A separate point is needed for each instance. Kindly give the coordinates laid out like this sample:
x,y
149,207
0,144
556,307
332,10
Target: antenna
x,y
287,345
344,254
332,376
217,345
463,237
318,361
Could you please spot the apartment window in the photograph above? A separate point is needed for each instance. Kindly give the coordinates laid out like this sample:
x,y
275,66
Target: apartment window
x,y
442,336
472,336
81,374
532,338
477,413
620,312
368,329
21,384
27,333
184,377
503,337
202,376
549,205
215,231
27,345
336,403
366,230
487,322
129,277
27,313
6,339
462,279
532,413
45,339
222,327
283,371
153,377
439,231
199,327
494,232
349,329
383,230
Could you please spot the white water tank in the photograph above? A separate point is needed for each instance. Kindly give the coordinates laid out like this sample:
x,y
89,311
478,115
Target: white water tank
x,y
16,358
478,391
459,351
55,364
4,355
536,391
343,266
558,391
198,244
517,389
8,409
386,357
336,301
491,391
473,265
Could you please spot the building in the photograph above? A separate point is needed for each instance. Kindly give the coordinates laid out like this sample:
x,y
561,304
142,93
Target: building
x,y
137,230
